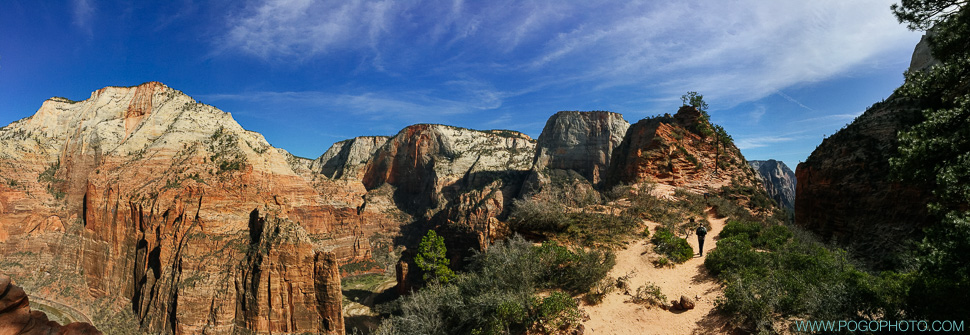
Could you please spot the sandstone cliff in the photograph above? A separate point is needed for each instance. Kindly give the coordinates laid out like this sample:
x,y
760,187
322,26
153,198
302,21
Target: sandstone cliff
x,y
347,159
129,196
580,141
846,192
671,150
779,181
452,176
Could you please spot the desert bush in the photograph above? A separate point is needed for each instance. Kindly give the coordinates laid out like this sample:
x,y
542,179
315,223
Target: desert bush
x,y
772,237
662,262
650,294
573,270
675,248
589,229
538,215
795,277
499,293
600,290
596,230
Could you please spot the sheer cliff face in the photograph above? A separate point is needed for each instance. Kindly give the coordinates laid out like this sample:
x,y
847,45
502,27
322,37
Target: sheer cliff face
x,y
666,150
135,192
580,141
846,192
461,178
779,181
347,159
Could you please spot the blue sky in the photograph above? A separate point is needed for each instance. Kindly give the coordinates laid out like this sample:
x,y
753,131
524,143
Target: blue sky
x,y
778,75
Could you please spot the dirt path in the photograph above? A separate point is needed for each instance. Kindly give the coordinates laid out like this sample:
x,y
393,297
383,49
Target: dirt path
x,y
617,316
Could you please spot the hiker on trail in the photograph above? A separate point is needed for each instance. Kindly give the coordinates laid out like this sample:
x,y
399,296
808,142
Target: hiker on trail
x,y
701,232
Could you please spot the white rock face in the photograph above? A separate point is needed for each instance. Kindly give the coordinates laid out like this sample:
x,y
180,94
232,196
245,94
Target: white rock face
x,y
580,141
347,159
779,181
158,120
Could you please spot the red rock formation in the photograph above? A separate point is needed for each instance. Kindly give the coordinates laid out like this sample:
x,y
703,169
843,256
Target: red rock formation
x,y
846,192
137,190
329,295
284,286
16,318
670,150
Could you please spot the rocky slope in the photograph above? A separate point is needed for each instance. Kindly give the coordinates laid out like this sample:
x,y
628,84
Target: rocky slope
x,y
846,192
671,150
138,189
347,159
779,181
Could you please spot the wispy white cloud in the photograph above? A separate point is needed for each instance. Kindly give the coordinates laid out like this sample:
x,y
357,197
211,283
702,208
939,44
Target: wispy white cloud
x,y
414,106
82,12
757,113
306,28
732,51
761,141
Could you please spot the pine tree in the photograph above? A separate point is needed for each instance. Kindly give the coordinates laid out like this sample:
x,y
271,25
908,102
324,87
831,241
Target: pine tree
x,y
432,258
936,153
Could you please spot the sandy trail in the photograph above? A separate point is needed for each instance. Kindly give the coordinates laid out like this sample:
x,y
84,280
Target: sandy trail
x,y
614,315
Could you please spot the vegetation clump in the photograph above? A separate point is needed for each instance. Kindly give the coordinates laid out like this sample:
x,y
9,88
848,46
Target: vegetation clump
x,y
500,294
934,153
772,271
649,294
674,248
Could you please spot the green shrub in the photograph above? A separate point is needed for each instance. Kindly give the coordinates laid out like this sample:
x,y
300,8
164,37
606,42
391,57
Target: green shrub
x,y
499,293
558,310
794,276
649,293
574,270
733,254
773,238
675,248
746,229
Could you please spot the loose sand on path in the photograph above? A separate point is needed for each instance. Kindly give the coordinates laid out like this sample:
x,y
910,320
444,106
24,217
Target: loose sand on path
x,y
615,315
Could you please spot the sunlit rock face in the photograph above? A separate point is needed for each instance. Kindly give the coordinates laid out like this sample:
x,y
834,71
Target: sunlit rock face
x,y
140,197
580,141
668,150
779,181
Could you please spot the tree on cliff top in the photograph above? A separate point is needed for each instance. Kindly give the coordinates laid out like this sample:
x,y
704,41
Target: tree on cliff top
x,y
695,100
936,153
432,258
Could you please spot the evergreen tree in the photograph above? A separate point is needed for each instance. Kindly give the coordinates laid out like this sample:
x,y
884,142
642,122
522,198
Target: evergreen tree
x,y
432,258
936,152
